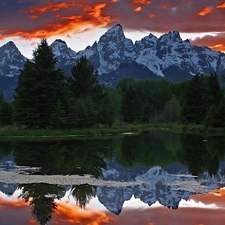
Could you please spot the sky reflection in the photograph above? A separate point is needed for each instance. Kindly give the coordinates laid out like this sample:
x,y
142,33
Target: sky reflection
x,y
200,209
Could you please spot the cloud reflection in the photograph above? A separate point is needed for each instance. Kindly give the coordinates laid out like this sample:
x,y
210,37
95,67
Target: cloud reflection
x,y
69,213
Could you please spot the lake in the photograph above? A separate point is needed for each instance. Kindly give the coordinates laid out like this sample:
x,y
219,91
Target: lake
x,y
154,178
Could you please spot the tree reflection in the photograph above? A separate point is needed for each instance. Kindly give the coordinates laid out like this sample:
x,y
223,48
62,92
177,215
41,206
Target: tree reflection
x,y
65,157
41,198
148,149
6,149
200,155
156,148
83,194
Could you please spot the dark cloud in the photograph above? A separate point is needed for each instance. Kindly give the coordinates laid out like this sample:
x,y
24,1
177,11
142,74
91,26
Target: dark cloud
x,y
35,19
216,42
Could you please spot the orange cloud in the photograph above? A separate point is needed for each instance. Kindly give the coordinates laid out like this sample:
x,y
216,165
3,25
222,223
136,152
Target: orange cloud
x,y
205,11
144,2
72,214
96,11
12,202
33,16
138,9
152,15
218,47
214,42
91,18
165,6
32,221
52,7
216,197
222,6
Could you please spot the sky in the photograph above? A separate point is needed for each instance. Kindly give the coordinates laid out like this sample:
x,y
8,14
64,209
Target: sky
x,y
81,22
200,209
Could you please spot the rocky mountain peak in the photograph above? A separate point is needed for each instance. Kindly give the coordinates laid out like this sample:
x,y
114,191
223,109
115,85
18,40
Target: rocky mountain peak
x,y
115,30
11,60
60,48
8,49
114,57
171,36
114,34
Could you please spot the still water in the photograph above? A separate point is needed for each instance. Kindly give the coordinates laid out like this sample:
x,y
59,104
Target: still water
x,y
155,178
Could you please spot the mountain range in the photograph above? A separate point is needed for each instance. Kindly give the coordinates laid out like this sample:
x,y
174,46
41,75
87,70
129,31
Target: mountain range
x,y
168,186
114,57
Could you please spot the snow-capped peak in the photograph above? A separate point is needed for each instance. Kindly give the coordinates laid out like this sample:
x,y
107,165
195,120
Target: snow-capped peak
x,y
171,36
62,52
10,44
115,30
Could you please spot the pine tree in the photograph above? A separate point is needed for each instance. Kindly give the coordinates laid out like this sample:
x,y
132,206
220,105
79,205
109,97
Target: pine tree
x,y
172,110
5,111
195,103
214,90
86,87
212,117
84,80
58,119
40,87
221,113
24,97
131,105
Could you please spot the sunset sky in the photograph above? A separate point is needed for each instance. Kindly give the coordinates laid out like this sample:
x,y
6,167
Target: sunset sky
x,y
200,209
81,22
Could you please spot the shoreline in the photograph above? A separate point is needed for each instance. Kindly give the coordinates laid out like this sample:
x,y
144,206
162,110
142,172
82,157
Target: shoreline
x,y
101,132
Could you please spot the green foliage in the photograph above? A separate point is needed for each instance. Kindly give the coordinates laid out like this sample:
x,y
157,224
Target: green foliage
x,y
40,88
172,110
44,98
5,111
58,119
212,117
86,112
125,83
195,104
221,113
42,207
214,90
131,105
84,80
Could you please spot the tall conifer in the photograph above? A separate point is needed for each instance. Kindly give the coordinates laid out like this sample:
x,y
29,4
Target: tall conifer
x,y
40,87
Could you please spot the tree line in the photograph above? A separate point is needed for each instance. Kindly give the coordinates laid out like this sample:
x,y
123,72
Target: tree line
x,y
46,98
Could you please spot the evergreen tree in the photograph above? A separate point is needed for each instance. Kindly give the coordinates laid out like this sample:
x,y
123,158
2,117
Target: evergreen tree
x,y
107,110
212,117
131,105
5,111
162,91
221,113
214,90
25,113
40,86
58,119
172,110
86,88
85,81
195,103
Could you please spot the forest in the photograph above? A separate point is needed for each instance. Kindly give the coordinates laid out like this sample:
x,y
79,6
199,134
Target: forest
x,y
46,98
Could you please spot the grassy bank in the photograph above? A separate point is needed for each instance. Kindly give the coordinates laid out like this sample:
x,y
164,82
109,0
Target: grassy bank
x,y
122,129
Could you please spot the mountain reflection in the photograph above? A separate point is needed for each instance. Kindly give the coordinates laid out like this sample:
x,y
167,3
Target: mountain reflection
x,y
41,202
169,167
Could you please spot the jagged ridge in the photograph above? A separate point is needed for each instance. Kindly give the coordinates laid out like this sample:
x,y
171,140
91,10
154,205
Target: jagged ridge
x,y
115,57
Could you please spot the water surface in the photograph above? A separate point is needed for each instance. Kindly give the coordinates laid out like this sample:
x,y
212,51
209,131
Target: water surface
x,y
152,178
